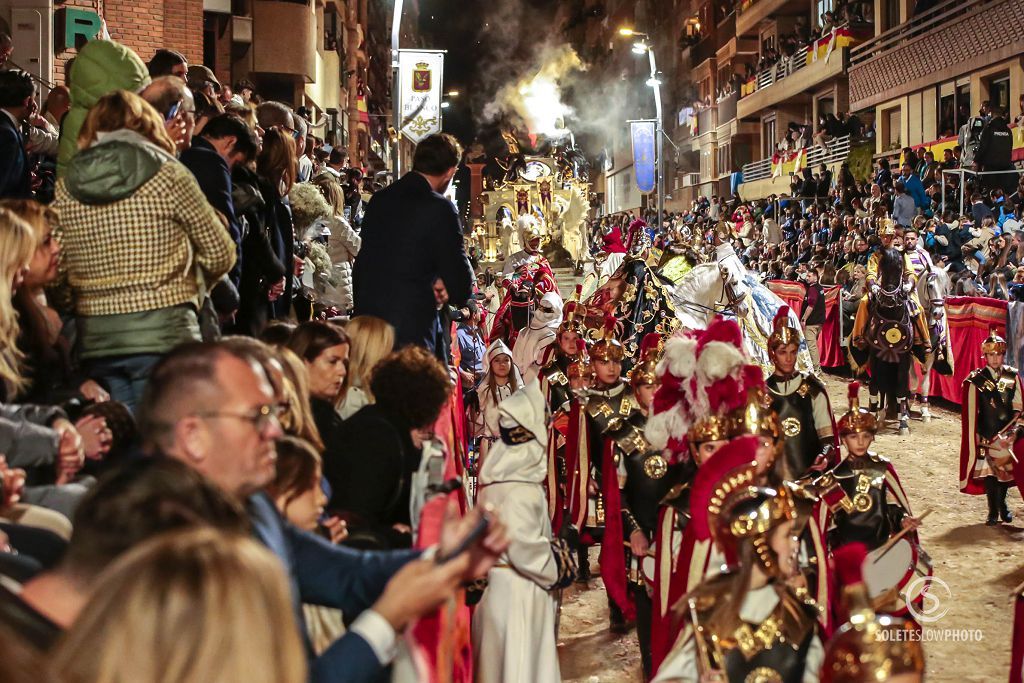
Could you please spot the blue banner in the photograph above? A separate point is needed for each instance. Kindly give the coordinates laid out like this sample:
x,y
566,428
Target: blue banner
x,y
642,133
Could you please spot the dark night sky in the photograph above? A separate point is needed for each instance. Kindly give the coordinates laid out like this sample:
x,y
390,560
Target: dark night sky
x,y
460,27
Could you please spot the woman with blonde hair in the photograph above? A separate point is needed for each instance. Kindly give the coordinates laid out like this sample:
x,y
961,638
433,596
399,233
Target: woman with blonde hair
x,y
17,244
47,353
371,340
138,236
342,246
191,606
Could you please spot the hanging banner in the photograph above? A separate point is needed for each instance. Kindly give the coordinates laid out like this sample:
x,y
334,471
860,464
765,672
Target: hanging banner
x,y
642,134
420,83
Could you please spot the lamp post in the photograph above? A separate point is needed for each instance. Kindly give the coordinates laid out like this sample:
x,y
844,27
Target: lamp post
x,y
396,32
640,47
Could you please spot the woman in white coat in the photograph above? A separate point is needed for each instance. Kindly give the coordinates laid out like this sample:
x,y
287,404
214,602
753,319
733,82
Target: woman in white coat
x,y
514,639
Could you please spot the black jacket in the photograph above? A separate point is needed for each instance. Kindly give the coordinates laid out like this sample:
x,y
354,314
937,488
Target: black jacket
x,y
15,178
368,461
214,178
411,235
263,266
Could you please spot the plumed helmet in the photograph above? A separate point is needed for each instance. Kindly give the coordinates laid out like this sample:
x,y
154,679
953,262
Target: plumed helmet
x,y
705,377
993,343
607,347
783,331
645,371
856,419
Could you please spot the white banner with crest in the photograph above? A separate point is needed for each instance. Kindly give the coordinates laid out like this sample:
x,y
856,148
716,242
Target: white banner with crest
x,y
421,74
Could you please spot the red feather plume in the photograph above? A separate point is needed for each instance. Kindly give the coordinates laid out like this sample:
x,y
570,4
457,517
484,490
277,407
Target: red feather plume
x,y
849,563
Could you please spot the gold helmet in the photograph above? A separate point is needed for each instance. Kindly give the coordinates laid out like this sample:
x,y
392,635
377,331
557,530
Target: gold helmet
x,y
737,509
887,228
579,366
856,419
574,315
757,417
783,332
868,647
993,343
607,347
645,371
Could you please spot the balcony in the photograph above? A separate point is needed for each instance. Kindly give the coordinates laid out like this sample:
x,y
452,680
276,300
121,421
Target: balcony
x,y
727,108
701,52
793,77
750,13
771,176
284,39
972,34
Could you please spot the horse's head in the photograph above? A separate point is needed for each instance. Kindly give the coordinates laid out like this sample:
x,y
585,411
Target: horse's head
x,y
733,287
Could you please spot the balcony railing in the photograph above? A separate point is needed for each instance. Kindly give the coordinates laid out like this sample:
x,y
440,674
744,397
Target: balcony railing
x,y
706,121
727,108
820,49
837,151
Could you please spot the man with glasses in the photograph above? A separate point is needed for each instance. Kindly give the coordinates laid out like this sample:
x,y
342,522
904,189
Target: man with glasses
x,y
214,409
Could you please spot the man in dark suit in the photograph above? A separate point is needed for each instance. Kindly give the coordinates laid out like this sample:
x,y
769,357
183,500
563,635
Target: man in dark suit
x,y
411,236
225,141
214,409
16,102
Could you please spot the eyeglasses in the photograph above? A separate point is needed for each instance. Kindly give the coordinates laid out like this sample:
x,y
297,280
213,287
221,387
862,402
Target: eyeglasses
x,y
261,418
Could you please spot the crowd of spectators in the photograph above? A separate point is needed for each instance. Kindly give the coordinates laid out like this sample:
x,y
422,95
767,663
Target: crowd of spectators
x,y
193,485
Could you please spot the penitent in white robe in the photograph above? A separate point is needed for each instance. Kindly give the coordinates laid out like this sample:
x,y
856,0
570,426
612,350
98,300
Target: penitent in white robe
x,y
514,639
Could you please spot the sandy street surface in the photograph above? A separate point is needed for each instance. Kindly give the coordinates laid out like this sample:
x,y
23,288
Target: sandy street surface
x,y
980,565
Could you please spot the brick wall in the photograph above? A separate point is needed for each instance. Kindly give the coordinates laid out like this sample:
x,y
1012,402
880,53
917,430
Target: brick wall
x,y
987,33
145,26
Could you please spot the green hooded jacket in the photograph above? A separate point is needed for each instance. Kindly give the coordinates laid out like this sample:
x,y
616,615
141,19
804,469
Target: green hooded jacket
x,y
101,67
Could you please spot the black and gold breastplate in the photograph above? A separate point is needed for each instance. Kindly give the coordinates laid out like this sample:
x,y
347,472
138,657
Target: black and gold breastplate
x,y
995,399
796,415
773,651
855,491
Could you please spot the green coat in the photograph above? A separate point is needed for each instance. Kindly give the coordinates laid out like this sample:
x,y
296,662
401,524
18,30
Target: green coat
x,y
101,67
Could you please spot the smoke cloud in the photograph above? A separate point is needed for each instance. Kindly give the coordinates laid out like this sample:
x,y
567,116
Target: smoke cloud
x,y
536,97
530,76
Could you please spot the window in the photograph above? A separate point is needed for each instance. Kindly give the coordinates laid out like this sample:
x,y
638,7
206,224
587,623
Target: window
x,y
891,129
890,14
768,138
725,158
824,6
963,104
999,91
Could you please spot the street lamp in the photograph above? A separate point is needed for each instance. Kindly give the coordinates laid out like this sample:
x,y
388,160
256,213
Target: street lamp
x,y
640,47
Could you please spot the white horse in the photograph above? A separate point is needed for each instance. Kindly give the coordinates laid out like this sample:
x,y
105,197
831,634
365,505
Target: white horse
x,y
933,287
725,287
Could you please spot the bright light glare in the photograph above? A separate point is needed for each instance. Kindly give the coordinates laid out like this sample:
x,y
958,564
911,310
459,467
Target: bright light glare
x,y
640,47
445,105
653,82
625,31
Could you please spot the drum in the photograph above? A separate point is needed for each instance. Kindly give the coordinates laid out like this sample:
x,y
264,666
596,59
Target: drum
x,y
890,578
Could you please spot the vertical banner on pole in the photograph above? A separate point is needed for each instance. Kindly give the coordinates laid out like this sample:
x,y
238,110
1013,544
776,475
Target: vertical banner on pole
x,y
643,133
421,74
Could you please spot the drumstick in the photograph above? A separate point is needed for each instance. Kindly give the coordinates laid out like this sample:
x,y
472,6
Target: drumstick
x,y
1017,591
896,537
703,659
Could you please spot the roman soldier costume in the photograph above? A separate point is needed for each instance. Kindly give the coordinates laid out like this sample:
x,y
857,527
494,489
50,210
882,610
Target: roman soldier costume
x,y
704,396
862,499
773,634
645,477
557,378
801,401
602,429
991,405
